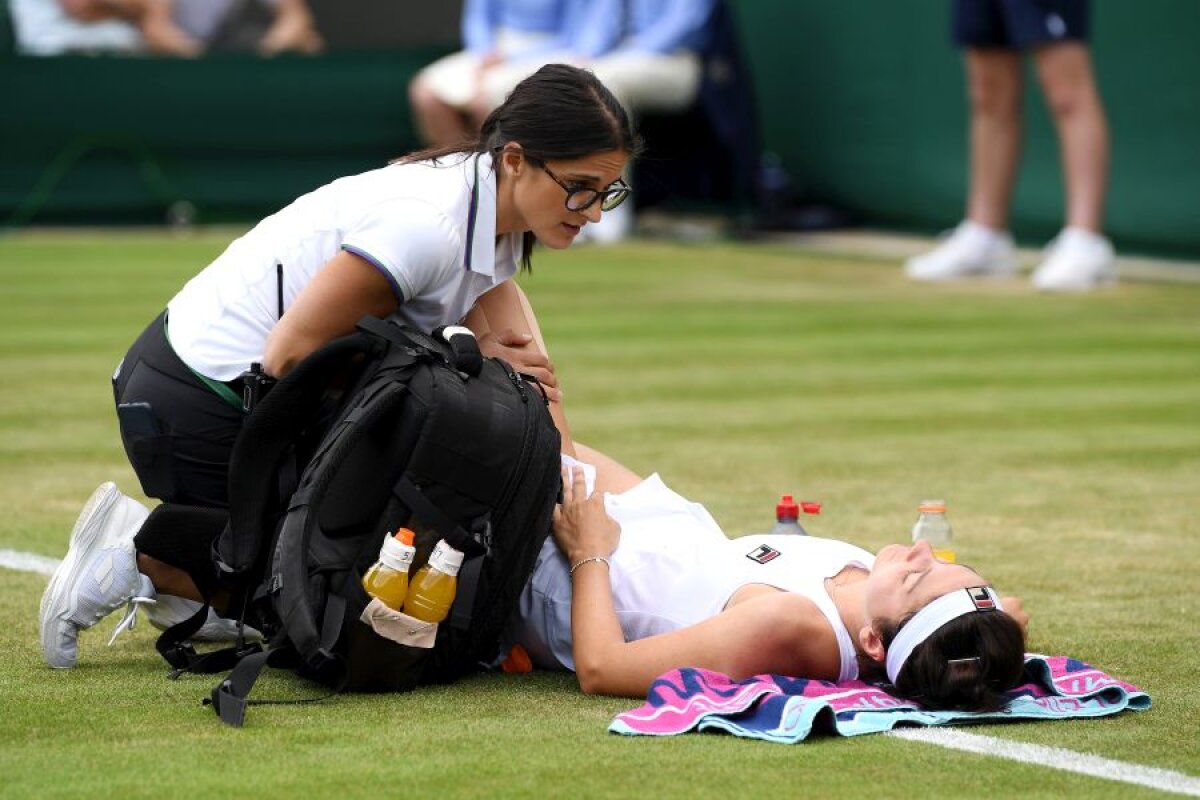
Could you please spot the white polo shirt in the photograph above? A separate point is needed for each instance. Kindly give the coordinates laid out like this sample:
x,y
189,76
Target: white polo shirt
x,y
429,229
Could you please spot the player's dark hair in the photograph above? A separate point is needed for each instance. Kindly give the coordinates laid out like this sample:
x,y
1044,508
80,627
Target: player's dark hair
x,y
965,665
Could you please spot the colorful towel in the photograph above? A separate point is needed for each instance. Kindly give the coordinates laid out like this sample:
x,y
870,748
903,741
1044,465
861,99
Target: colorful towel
x,y
781,709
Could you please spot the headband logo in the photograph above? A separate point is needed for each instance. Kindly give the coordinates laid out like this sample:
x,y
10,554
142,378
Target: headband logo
x,y
982,598
763,553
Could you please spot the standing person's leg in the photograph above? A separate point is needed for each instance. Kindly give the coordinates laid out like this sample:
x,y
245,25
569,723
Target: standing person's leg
x,y
1080,257
1065,72
995,91
980,246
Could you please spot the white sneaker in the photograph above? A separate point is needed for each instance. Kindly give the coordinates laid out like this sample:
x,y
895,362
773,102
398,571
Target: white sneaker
x,y
98,575
169,610
1077,260
970,251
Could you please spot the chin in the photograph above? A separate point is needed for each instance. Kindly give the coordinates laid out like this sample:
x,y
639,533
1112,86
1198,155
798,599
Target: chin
x,y
557,238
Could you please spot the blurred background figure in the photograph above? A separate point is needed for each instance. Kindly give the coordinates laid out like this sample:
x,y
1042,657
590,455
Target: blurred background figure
x,y
504,41
995,33
187,28
648,52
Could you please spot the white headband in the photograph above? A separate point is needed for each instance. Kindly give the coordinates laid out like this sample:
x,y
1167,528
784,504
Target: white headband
x,y
925,622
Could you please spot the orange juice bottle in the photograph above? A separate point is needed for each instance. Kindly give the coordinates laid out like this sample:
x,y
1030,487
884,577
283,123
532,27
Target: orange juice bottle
x,y
933,527
432,589
387,579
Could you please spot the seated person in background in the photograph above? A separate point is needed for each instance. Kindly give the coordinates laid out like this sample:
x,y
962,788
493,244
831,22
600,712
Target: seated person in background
x,y
638,581
185,28
647,52
449,98
62,27
268,27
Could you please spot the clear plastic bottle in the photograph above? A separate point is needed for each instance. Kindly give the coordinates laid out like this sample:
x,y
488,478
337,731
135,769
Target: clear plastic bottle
x,y
387,579
933,527
431,591
787,515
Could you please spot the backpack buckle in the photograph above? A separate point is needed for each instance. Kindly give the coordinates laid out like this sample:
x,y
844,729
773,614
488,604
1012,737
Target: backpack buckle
x,y
481,532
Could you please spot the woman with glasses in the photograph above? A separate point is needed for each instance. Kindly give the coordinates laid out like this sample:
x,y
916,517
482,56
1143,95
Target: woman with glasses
x,y
434,238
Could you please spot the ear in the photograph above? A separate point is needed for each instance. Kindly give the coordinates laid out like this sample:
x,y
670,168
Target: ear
x,y
512,159
871,643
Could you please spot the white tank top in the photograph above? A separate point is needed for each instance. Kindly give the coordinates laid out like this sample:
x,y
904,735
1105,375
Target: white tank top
x,y
675,567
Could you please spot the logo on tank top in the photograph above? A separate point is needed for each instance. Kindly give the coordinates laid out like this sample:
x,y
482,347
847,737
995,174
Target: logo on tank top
x,y
763,553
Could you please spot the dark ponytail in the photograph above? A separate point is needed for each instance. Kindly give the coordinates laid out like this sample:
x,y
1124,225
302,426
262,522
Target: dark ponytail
x,y
558,112
965,665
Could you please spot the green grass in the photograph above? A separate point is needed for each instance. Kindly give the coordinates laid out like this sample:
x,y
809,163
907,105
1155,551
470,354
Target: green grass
x,y
1064,432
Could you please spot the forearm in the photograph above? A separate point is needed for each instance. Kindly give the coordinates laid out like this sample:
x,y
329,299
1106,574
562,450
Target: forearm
x,y
597,639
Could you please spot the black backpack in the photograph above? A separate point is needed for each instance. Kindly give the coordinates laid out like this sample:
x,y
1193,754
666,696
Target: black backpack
x,y
382,429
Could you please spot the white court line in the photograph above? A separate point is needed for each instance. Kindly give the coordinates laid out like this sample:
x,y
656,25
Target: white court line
x,y
28,562
1056,758
1053,757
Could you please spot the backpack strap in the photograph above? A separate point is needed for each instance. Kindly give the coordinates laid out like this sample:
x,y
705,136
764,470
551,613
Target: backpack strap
x,y
299,616
230,698
478,543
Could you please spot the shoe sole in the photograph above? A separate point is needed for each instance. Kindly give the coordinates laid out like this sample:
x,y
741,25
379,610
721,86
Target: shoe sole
x,y
82,541
1003,271
1100,281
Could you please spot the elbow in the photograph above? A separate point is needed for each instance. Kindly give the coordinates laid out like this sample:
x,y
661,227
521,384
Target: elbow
x,y
590,683
590,677
593,677
276,365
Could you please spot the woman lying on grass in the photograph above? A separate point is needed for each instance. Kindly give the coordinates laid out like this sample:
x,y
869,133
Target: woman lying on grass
x,y
642,581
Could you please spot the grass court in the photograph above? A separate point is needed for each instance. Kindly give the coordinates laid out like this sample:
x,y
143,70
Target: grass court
x,y
1063,432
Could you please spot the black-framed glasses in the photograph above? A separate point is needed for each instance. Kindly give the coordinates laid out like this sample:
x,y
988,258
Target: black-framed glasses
x,y
581,198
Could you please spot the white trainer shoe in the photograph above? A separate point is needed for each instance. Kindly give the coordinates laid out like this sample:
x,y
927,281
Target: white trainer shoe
x,y
1077,260
98,575
970,251
169,610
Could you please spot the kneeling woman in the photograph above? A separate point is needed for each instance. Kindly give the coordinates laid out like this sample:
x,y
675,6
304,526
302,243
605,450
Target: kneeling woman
x,y
639,581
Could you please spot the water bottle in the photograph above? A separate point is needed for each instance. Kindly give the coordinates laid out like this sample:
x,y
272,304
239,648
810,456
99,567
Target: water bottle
x,y
933,527
787,515
431,591
387,579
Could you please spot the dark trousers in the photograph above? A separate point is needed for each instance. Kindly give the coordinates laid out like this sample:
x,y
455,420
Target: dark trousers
x,y
178,434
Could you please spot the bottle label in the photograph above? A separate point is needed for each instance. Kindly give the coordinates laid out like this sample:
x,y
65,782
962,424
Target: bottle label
x,y
444,559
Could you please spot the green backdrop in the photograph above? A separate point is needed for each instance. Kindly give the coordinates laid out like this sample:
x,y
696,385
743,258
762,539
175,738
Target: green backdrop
x,y
862,100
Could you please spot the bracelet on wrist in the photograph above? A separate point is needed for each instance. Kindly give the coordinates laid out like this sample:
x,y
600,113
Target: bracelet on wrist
x,y
589,560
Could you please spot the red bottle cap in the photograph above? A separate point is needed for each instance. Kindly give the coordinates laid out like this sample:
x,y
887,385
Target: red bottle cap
x,y
810,507
787,508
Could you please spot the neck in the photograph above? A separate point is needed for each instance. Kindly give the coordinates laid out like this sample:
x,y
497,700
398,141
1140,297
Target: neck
x,y
847,589
507,218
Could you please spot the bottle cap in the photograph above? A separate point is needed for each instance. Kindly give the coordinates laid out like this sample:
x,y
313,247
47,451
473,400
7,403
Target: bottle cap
x,y
809,507
405,536
932,507
446,558
396,553
787,508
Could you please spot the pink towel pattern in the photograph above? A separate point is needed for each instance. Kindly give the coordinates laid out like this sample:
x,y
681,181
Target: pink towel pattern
x,y
782,709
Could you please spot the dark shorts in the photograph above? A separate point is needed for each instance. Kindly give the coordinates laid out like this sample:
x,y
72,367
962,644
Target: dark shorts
x,y
178,433
1019,24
